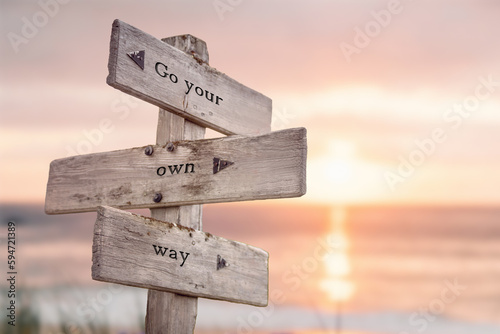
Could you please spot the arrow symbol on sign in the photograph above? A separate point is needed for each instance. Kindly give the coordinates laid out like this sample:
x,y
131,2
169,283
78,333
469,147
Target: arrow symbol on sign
x,y
138,57
221,263
220,164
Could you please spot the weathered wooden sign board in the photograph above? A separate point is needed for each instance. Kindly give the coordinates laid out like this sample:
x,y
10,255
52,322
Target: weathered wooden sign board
x,y
235,168
165,256
177,263
146,67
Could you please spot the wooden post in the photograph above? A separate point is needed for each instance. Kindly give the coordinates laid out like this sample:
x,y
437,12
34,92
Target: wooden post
x,y
170,313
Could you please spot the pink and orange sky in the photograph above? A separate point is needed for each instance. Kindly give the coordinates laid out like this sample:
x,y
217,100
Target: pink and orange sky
x,y
374,82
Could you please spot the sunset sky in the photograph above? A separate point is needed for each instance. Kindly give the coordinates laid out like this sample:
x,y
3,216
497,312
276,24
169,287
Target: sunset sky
x,y
401,101
400,98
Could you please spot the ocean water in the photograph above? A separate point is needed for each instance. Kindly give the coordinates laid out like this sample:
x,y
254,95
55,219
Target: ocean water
x,y
376,269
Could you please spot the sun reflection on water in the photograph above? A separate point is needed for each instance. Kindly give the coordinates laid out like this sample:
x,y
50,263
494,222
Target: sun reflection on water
x,y
337,264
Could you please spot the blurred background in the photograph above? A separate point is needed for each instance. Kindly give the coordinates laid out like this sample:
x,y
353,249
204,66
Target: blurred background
x,y
399,230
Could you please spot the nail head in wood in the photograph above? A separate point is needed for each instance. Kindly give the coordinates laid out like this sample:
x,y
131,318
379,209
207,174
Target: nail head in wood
x,y
148,150
158,197
170,147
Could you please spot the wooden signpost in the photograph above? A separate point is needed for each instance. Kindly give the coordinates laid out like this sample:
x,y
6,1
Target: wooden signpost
x,y
167,77
168,253
235,168
171,257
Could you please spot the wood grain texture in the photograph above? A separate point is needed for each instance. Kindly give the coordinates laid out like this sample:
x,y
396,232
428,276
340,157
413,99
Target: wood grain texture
x,y
171,313
265,167
123,253
241,111
191,45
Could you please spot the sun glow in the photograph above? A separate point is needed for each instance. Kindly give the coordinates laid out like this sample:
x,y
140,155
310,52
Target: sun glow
x,y
340,175
340,168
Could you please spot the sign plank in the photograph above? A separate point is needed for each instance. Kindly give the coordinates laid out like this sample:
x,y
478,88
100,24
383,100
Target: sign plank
x,y
144,252
234,168
147,68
